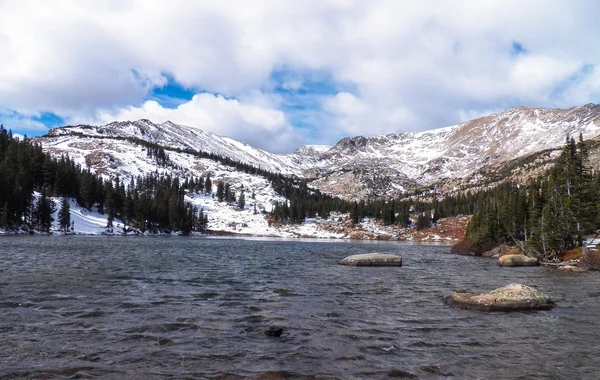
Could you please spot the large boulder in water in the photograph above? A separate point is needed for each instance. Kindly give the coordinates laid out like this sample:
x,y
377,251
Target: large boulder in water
x,y
513,297
373,260
517,261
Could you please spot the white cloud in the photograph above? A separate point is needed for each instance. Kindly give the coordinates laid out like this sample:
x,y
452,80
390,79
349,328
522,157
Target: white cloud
x,y
411,65
256,120
349,115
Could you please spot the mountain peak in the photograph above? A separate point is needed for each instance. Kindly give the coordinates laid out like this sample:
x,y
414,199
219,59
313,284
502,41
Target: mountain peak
x,y
312,150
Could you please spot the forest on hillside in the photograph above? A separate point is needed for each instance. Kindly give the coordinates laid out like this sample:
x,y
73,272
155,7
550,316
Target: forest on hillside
x,y
304,202
550,215
152,203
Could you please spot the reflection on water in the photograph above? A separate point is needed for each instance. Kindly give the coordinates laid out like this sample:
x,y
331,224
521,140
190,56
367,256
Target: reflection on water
x,y
197,308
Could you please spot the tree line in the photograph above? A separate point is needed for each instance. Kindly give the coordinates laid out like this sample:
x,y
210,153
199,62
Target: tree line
x,y
405,211
550,215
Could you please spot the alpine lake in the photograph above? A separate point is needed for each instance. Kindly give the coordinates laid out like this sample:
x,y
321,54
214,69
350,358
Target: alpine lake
x,y
194,308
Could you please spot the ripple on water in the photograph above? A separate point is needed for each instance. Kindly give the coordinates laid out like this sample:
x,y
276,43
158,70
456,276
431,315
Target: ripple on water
x,y
197,308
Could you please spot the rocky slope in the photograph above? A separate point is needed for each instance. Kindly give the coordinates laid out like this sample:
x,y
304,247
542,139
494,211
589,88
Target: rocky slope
x,y
388,164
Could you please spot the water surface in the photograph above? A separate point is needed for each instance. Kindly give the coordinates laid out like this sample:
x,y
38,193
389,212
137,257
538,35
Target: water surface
x,y
153,308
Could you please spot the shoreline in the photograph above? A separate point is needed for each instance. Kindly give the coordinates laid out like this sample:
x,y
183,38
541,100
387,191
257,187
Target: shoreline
x,y
232,235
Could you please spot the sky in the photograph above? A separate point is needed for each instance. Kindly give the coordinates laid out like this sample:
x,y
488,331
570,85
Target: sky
x,y
281,73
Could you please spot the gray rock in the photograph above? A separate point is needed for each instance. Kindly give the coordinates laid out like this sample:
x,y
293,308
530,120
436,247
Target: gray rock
x,y
373,260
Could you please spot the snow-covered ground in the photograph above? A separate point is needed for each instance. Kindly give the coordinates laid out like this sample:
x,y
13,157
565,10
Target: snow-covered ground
x,y
230,220
84,221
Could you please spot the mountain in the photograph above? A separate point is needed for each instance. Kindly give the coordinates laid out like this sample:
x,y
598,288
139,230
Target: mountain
x,y
389,164
169,135
517,144
354,168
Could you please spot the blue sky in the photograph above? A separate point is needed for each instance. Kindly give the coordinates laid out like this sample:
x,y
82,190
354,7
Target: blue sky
x,y
279,74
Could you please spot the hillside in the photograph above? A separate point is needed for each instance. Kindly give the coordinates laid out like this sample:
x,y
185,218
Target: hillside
x,y
389,164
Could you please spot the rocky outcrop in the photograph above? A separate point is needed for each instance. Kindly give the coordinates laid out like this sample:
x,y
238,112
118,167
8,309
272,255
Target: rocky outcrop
x,y
373,260
513,297
517,261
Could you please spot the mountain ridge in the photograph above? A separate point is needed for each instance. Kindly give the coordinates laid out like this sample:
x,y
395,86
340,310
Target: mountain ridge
x,y
358,167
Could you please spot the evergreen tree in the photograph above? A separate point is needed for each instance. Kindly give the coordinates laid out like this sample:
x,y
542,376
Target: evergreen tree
x,y
5,217
220,191
354,213
44,209
208,184
424,220
551,215
242,200
64,215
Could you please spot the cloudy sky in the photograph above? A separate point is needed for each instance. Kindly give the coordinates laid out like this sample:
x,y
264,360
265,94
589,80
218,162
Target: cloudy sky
x,y
281,73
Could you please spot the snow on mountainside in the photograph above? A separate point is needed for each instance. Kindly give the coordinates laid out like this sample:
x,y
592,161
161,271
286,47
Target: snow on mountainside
x,y
387,164
179,136
356,167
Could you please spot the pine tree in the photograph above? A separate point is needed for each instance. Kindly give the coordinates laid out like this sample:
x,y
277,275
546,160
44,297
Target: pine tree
x,y
5,217
424,220
229,194
242,200
220,191
551,215
64,215
208,184
43,213
354,213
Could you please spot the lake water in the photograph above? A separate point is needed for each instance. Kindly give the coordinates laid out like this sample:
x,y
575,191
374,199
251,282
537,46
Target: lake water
x,y
153,308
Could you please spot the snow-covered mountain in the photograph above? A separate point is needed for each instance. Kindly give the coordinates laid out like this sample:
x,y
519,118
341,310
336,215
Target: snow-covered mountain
x,y
386,165
383,165
170,135
355,167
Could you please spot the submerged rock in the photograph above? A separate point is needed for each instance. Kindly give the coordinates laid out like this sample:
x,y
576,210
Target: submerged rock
x,y
517,261
373,260
401,374
274,331
572,268
513,297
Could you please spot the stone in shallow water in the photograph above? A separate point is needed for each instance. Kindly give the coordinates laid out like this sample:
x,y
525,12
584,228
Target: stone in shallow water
x,y
274,331
373,260
517,261
513,297
572,268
